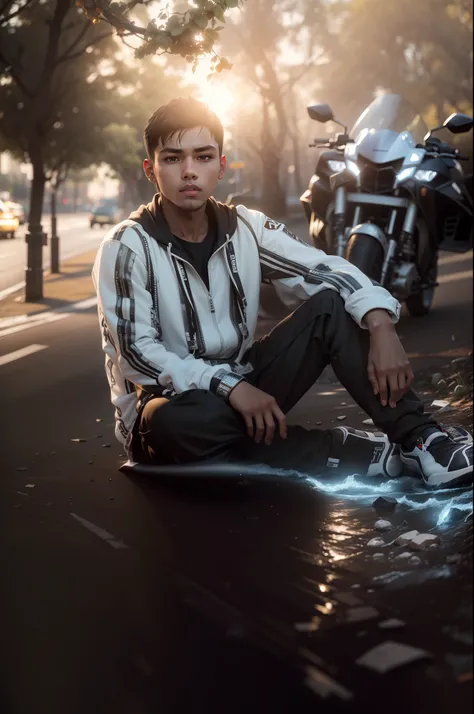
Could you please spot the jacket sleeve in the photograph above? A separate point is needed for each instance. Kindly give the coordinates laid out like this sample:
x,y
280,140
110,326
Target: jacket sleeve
x,y
299,271
126,305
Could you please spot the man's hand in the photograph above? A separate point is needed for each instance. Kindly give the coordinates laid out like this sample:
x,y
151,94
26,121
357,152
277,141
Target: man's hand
x,y
389,369
259,411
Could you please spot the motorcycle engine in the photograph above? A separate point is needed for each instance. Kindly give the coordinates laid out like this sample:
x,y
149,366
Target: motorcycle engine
x,y
404,278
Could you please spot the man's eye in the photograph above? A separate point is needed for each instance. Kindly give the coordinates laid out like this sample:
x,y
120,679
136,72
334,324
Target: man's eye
x,y
206,157
171,159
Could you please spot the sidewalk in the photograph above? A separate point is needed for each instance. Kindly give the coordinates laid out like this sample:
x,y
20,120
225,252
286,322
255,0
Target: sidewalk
x,y
72,285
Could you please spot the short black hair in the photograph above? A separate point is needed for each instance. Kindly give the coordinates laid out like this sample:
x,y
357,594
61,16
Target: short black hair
x,y
177,116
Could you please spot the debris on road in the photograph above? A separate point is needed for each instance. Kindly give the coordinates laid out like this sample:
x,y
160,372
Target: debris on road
x,y
378,556
405,556
30,485
78,441
341,418
440,403
436,378
385,502
393,623
306,626
390,655
454,558
348,598
106,446
406,538
422,540
359,614
369,422
415,560
99,420
22,468
376,543
382,525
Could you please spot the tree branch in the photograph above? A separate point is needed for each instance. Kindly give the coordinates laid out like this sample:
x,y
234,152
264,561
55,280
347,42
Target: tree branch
x,y
89,44
5,20
66,55
14,75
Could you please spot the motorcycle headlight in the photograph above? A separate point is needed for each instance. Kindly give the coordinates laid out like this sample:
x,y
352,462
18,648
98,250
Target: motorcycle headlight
x,y
336,166
424,175
353,168
405,174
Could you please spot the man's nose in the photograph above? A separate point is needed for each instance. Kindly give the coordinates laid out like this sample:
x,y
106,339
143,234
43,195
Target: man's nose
x,y
188,168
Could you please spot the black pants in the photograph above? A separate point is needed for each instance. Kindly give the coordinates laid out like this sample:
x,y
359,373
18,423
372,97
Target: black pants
x,y
197,425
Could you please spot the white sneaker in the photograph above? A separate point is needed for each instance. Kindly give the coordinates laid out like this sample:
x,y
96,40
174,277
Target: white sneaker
x,y
443,459
384,457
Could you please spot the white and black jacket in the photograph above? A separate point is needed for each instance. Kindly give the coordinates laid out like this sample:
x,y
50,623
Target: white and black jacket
x,y
164,331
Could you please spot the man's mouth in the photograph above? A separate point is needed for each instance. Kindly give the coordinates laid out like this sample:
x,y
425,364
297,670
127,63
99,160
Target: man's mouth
x,y
190,189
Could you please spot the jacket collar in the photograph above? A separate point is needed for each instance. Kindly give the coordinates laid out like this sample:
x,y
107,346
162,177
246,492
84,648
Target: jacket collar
x,y
151,218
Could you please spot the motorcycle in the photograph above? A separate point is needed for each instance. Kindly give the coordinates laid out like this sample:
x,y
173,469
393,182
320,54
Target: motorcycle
x,y
390,195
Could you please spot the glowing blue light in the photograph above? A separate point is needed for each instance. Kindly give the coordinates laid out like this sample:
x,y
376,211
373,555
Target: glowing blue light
x,y
444,515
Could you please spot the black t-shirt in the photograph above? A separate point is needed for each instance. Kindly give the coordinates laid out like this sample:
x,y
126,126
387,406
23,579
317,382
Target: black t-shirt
x,y
198,254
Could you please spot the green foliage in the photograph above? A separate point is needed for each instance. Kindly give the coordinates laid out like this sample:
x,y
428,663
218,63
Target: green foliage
x,y
190,34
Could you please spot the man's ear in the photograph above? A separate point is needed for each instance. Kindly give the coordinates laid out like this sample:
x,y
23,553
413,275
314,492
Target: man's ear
x,y
148,169
223,164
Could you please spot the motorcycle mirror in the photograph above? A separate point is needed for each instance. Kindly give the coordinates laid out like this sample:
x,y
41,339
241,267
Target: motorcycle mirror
x,y
458,123
320,112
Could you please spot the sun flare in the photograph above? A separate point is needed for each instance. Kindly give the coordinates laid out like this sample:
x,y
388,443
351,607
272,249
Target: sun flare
x,y
215,92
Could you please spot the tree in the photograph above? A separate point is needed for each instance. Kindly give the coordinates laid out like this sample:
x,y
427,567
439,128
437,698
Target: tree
x,y
50,54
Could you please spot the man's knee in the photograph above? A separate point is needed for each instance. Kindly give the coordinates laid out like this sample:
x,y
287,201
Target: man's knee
x,y
193,410
326,301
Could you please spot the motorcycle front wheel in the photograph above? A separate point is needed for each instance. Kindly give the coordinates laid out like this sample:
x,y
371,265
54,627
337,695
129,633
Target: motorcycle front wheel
x,y
367,254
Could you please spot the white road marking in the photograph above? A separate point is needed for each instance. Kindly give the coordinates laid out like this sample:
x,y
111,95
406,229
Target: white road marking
x,y
104,535
12,289
18,354
11,325
463,275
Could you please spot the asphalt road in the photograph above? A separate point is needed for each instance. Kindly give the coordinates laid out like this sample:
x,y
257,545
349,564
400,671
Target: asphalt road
x,y
122,595
76,237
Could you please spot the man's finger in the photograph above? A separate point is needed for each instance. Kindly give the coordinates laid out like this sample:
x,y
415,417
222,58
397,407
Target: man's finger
x,y
410,377
382,383
259,428
269,427
402,383
249,424
395,393
281,418
373,378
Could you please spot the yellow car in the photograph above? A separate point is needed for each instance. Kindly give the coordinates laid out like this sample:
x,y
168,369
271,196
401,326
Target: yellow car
x,y
8,221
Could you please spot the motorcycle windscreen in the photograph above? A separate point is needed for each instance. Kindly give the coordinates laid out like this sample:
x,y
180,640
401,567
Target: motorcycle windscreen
x,y
384,146
394,112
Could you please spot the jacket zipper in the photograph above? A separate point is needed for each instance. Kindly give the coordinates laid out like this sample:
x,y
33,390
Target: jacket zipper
x,y
209,296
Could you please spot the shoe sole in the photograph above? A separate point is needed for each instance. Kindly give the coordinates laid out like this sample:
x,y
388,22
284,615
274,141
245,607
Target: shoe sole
x,y
441,480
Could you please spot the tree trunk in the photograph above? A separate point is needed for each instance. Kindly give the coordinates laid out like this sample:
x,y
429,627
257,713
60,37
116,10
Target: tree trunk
x,y
54,235
54,193
273,196
35,237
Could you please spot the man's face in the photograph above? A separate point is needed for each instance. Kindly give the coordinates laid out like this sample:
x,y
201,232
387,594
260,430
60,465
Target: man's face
x,y
187,169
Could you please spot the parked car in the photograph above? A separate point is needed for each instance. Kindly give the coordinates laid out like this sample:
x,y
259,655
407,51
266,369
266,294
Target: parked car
x,y
104,214
17,210
8,221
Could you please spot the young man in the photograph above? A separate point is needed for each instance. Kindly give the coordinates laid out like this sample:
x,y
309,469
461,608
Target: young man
x,y
178,291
